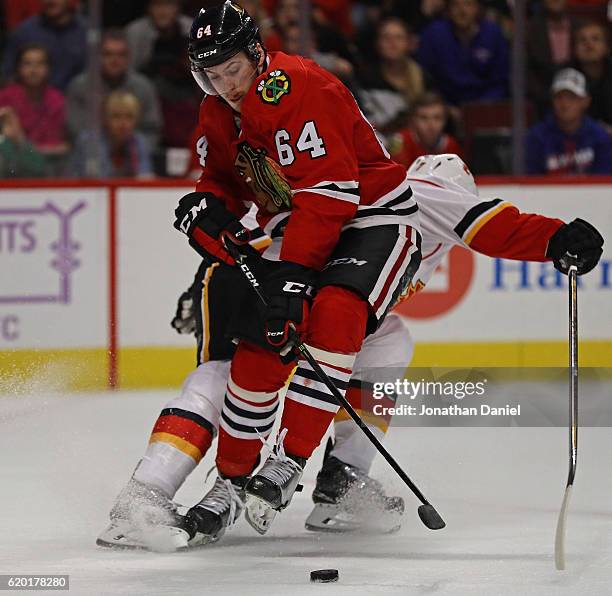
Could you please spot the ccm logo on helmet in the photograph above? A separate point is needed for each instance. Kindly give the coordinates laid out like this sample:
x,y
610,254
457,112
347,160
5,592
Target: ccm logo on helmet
x,y
207,54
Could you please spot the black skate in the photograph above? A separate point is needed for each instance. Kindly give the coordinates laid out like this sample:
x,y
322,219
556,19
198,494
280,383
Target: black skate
x,y
143,517
272,488
347,499
218,510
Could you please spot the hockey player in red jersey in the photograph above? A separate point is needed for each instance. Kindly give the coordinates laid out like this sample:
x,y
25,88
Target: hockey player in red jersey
x,y
258,173
342,221
345,497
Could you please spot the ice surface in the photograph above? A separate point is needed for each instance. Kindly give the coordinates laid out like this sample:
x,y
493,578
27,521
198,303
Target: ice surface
x,y
64,458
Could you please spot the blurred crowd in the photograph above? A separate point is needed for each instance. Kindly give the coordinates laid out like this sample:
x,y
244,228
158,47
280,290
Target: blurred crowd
x,y
433,76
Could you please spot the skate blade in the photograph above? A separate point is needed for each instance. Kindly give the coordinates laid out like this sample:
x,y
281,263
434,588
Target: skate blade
x,y
335,519
259,514
331,518
121,535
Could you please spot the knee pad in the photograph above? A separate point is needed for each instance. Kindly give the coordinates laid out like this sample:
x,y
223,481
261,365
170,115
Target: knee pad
x,y
338,321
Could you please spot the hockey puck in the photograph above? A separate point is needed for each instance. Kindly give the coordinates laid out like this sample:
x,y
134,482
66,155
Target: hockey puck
x,y
324,576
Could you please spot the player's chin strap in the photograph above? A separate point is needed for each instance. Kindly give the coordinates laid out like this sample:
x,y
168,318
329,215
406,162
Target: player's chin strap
x,y
427,512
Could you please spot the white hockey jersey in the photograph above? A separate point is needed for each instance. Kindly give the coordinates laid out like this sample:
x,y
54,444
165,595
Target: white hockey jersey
x,y
452,216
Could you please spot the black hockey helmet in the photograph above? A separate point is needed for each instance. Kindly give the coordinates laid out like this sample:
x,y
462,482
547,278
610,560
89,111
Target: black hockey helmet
x,y
219,32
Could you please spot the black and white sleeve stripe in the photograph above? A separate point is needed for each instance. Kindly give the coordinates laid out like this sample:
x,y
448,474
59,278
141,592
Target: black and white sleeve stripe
x,y
340,190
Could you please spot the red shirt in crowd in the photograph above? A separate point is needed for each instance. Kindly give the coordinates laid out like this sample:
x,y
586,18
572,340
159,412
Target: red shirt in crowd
x,y
43,123
410,147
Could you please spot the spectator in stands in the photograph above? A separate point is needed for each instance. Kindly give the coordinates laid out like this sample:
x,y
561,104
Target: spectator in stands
x,y
395,81
163,18
549,46
62,31
124,151
325,39
425,133
168,69
335,14
568,141
18,158
116,75
38,106
419,14
291,44
592,58
466,55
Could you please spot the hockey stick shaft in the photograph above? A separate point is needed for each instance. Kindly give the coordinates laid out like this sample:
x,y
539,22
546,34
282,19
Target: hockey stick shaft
x,y
428,514
573,418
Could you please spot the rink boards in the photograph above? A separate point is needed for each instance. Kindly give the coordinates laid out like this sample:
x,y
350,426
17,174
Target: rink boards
x,y
91,273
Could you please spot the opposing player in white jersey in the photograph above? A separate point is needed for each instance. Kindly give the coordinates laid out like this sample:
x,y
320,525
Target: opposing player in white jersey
x,y
452,214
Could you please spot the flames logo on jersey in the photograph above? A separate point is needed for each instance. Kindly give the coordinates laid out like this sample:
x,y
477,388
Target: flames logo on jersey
x,y
272,89
411,290
264,177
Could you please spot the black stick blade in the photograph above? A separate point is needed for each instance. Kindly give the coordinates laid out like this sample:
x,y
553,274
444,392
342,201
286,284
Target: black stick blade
x,y
431,518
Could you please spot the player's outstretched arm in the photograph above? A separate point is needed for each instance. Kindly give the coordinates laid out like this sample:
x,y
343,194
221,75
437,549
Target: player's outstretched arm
x,y
510,234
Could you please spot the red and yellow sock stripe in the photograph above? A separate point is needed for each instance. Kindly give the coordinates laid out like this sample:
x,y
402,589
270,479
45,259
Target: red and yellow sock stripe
x,y
188,432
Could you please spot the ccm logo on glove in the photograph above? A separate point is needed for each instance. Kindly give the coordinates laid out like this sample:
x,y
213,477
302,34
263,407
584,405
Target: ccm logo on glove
x,y
190,216
298,288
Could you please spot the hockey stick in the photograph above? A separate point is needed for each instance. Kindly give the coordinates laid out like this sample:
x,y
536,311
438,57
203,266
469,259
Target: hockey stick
x,y
573,417
427,512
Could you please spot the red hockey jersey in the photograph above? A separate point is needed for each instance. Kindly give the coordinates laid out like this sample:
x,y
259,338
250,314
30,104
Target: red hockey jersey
x,y
304,152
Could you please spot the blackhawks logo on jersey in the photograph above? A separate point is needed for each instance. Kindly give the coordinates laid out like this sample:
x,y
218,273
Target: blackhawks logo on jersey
x,y
272,89
264,177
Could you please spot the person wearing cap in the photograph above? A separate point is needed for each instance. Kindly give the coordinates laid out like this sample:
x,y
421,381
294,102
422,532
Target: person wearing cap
x,y
568,141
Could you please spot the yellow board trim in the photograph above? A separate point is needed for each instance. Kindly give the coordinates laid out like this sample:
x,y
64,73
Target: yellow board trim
x,y
25,372
30,371
591,353
155,367
182,445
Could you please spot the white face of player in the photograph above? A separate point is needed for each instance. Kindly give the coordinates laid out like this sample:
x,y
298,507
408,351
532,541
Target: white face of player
x,y
233,78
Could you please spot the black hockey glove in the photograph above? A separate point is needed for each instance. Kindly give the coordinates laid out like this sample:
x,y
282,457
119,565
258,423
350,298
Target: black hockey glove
x,y
203,218
576,243
184,320
289,292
